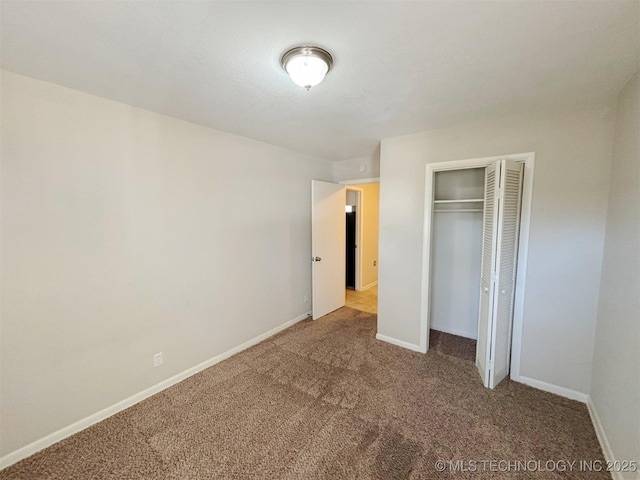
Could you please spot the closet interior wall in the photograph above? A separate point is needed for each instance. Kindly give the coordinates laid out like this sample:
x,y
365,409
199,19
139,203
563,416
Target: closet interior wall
x,y
457,251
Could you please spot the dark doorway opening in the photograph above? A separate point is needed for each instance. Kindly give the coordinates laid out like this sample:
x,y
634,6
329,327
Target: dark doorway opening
x,y
351,250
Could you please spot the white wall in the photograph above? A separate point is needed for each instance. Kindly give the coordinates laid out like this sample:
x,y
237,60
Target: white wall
x,y
350,169
352,197
573,154
455,272
615,381
126,233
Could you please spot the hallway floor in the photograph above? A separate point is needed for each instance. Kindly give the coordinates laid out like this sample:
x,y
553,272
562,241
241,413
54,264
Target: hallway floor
x,y
365,300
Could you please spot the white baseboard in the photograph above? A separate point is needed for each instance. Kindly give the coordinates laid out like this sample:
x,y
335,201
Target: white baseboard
x,y
86,422
454,331
551,388
369,285
400,343
593,413
602,437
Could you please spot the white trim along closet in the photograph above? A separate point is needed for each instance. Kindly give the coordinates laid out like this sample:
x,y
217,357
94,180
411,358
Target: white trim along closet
x,y
476,240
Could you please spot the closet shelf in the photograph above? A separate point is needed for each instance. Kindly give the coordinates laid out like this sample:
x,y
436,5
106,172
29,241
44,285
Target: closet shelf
x,y
460,210
466,200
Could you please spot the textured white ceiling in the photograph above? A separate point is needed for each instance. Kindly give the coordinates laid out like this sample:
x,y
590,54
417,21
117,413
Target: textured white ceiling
x,y
399,67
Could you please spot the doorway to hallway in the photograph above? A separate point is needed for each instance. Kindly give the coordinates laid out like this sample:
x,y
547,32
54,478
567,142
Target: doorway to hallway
x,y
352,240
331,273
365,300
361,255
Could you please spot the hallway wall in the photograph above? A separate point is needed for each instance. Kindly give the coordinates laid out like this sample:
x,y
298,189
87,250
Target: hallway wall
x,y
370,212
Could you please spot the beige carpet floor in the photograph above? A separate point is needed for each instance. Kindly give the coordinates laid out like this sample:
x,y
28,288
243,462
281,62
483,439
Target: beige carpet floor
x,y
325,399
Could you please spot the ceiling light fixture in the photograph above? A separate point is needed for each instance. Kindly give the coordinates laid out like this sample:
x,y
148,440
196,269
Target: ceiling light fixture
x,y
307,65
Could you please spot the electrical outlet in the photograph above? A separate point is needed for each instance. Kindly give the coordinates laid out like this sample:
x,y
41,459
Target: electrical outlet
x,y
375,262
157,359
306,298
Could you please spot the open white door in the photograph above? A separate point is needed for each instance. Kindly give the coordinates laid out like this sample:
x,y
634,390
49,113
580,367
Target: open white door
x,y
503,193
328,246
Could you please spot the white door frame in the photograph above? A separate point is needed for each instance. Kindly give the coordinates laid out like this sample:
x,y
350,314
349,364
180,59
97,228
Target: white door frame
x,y
523,246
359,216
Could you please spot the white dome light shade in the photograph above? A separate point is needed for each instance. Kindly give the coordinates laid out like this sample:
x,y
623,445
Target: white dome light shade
x,y
307,66
307,71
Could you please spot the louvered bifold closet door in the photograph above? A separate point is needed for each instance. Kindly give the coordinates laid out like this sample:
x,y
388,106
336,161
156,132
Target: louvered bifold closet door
x,y
508,228
483,345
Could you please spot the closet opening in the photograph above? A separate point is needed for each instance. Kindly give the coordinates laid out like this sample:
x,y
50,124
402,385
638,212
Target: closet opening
x,y
456,247
475,248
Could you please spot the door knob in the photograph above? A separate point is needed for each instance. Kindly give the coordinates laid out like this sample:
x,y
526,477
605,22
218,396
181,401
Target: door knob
x,y
316,259
486,289
503,291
